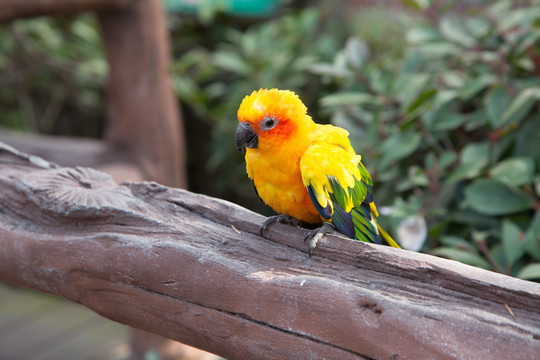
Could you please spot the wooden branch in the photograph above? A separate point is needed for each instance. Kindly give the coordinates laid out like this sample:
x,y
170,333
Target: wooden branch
x,y
144,124
13,9
193,268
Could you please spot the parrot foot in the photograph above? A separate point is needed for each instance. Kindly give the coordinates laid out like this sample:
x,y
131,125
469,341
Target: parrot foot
x,y
315,235
282,219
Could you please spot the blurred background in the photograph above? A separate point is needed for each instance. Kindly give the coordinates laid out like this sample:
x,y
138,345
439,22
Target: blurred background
x,y
441,98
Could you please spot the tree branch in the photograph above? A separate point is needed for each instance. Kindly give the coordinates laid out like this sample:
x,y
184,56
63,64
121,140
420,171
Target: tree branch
x,y
169,261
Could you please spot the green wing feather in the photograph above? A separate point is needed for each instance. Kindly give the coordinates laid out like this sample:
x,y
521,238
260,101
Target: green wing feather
x,y
342,192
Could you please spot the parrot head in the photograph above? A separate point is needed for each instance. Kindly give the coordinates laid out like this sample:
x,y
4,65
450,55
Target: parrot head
x,y
267,118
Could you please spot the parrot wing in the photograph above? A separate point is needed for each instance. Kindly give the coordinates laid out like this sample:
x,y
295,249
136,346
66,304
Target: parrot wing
x,y
342,191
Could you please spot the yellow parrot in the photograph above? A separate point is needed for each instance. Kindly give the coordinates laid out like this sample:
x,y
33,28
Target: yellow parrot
x,y
306,171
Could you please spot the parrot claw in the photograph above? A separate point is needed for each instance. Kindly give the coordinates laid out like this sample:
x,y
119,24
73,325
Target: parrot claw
x,y
315,235
282,219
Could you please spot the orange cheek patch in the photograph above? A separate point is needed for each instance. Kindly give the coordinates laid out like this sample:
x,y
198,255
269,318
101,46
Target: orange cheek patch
x,y
283,130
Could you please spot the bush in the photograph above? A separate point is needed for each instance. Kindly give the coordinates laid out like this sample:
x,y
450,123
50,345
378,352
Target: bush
x,y
454,134
53,74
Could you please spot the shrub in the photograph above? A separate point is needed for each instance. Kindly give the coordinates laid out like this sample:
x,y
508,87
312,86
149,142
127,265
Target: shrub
x,y
53,74
453,134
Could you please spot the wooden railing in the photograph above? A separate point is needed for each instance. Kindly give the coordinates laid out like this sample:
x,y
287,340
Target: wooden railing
x,y
194,269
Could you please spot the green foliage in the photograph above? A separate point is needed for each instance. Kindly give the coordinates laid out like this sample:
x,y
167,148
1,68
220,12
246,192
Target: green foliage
x,y
455,131
53,74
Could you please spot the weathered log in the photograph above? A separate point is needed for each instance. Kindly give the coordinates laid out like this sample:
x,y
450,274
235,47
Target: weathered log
x,y
194,269
13,9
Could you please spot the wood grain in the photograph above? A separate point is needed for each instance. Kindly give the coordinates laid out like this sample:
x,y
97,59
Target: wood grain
x,y
168,261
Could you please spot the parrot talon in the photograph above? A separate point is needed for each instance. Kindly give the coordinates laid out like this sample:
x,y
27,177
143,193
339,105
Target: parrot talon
x,y
315,235
282,219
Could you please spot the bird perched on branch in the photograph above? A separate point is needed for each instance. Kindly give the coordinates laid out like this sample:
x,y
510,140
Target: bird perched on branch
x,y
305,171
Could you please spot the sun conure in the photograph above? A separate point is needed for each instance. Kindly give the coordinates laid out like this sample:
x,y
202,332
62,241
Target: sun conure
x,y
305,170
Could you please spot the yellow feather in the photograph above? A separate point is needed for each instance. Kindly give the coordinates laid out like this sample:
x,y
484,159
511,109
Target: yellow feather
x,y
296,154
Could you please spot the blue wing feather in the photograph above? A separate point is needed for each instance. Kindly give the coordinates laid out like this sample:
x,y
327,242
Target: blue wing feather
x,y
357,223
343,221
341,191
326,212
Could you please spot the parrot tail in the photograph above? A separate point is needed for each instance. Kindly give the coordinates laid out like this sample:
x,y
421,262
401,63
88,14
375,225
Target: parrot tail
x,y
387,238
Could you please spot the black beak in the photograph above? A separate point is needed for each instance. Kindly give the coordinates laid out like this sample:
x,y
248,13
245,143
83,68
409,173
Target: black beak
x,y
245,137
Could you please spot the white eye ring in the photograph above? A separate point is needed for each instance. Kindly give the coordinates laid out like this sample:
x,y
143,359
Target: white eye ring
x,y
268,123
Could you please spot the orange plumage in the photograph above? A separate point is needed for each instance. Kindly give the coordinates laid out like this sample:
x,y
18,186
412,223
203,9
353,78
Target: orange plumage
x,y
303,169
274,166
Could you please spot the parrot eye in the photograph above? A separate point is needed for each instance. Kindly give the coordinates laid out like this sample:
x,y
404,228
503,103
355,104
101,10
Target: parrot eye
x,y
268,123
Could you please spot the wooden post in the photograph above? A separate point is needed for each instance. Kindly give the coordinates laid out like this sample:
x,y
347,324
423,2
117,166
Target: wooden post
x,y
192,268
144,122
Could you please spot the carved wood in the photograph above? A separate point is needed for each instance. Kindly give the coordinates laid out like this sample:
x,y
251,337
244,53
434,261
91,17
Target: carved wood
x,y
192,268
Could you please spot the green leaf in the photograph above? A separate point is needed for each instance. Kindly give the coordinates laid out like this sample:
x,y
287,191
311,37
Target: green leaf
x,y
464,256
420,35
417,4
356,52
453,79
532,237
457,242
475,119
512,241
327,69
348,98
514,171
496,102
410,88
529,272
491,197
446,159
473,158
454,29
417,176
519,18
232,62
474,86
421,100
444,121
473,218
399,146
527,140
520,106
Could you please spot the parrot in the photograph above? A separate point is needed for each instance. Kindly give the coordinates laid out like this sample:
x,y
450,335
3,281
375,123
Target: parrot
x,y
307,172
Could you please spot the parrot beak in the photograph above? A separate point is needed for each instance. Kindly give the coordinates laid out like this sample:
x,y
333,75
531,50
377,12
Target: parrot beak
x,y
245,137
